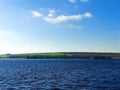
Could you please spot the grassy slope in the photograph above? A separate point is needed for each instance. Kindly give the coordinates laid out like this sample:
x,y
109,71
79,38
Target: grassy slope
x,y
40,55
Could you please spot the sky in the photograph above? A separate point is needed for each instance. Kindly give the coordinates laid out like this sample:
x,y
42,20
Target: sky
x,y
29,26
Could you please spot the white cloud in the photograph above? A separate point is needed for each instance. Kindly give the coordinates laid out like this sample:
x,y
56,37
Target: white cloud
x,y
84,0
51,13
87,15
63,18
72,1
53,18
36,14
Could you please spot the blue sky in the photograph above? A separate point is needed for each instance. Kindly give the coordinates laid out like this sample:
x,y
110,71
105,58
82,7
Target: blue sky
x,y
59,25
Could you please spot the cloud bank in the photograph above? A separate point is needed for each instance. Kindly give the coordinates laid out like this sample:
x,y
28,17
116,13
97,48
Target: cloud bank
x,y
51,18
64,18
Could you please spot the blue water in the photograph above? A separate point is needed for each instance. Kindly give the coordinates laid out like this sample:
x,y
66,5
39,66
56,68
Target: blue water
x,y
59,74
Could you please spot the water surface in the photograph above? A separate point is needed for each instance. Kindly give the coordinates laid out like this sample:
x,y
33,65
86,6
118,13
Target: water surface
x,y
59,74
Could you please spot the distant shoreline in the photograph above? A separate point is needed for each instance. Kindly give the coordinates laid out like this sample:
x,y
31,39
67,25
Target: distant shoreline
x,y
54,59
63,55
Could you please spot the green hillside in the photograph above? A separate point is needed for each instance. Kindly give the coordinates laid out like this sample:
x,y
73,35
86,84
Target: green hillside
x,y
64,55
